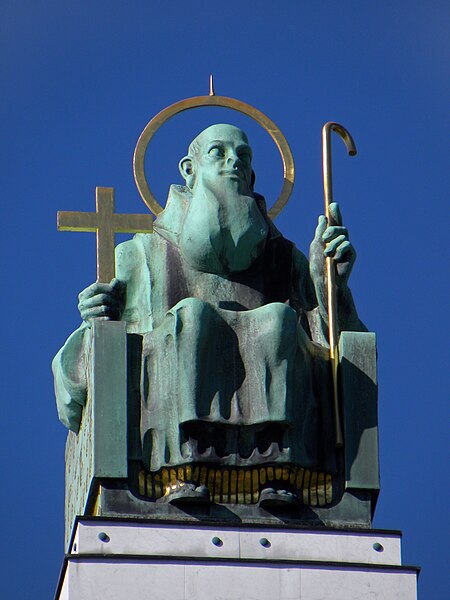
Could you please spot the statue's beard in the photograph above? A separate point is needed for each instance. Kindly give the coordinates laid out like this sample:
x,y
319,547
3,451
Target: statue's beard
x,y
223,231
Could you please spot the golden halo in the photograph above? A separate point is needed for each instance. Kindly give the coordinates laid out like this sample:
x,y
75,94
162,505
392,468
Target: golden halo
x,y
212,100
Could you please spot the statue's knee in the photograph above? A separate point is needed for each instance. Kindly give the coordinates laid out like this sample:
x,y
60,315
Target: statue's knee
x,y
192,314
282,319
278,329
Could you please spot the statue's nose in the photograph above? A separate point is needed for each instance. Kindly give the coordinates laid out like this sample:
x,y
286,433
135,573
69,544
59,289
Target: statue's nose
x,y
232,159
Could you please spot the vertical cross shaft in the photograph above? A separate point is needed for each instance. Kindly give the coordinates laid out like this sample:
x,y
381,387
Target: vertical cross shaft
x,y
104,204
106,223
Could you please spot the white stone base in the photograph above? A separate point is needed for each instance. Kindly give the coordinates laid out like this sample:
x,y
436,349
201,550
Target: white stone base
x,y
120,560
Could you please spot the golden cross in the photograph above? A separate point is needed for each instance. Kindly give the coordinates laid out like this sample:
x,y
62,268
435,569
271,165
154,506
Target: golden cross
x,y
106,223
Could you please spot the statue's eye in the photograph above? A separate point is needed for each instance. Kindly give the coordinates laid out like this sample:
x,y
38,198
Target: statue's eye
x,y
216,151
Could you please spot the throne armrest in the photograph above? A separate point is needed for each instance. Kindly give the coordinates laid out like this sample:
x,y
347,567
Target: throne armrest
x,y
358,376
99,449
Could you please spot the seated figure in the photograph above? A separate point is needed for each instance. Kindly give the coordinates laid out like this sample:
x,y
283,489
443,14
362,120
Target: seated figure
x,y
235,365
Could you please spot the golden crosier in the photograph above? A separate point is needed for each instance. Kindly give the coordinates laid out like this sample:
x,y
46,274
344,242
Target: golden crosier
x,y
333,331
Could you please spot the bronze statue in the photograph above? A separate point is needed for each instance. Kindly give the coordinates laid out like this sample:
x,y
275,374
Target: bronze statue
x,y
235,362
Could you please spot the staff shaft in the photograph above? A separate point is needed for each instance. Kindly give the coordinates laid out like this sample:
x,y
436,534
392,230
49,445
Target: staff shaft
x,y
333,330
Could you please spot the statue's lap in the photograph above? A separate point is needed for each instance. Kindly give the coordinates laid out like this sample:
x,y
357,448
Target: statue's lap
x,y
226,386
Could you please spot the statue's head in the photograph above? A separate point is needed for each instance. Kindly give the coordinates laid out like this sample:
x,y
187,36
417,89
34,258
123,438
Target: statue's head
x,y
220,155
224,229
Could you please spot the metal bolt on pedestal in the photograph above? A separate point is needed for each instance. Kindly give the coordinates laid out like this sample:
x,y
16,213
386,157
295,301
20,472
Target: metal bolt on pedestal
x,y
378,547
217,541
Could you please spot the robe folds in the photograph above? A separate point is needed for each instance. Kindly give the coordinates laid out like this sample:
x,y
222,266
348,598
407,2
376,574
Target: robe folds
x,y
234,367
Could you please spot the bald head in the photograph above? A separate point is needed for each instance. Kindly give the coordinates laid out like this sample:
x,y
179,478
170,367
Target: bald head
x,y
219,131
219,153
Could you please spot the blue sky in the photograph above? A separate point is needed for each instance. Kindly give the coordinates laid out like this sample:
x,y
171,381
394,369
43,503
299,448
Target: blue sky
x,y
80,80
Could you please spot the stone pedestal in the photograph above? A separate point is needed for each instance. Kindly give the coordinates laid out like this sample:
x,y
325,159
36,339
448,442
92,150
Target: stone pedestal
x,y
120,558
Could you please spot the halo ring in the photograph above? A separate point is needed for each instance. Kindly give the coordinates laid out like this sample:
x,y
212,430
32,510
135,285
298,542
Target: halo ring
x,y
212,100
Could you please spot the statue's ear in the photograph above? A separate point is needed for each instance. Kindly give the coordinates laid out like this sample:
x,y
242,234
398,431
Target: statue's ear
x,y
186,167
252,185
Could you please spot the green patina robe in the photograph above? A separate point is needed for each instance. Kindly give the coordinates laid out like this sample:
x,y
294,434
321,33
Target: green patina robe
x,y
234,367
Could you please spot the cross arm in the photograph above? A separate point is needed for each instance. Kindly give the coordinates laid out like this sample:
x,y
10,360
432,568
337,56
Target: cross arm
x,y
76,221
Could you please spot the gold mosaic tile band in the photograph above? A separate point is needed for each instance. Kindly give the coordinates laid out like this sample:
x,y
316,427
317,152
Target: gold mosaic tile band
x,y
241,485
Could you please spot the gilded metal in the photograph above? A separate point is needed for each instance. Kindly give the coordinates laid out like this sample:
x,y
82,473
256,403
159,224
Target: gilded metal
x,y
211,86
241,485
203,476
218,482
331,270
210,484
313,489
321,498
142,478
233,485
262,475
106,223
225,483
255,486
329,489
212,100
96,509
299,478
306,477
173,477
165,478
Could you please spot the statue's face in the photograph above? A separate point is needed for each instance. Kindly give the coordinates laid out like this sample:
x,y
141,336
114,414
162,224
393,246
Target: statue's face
x,y
224,158
224,230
